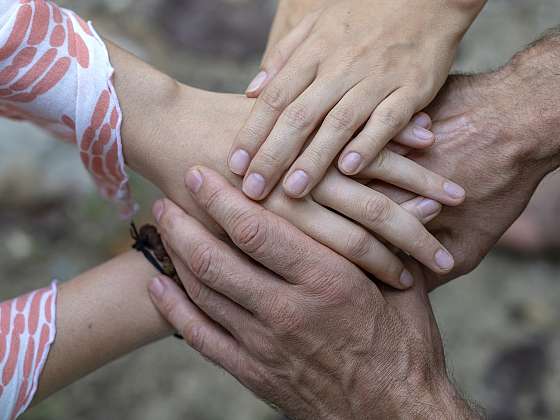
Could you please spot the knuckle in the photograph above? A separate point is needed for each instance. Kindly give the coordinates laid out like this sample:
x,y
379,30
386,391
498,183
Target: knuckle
x,y
267,160
298,116
376,211
212,200
254,129
267,350
380,164
358,244
391,119
315,161
332,289
342,118
287,319
249,230
423,179
274,97
196,291
194,336
425,240
422,240
203,262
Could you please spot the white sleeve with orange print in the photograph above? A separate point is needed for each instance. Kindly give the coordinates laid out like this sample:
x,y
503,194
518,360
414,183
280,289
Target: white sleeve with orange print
x,y
27,331
55,72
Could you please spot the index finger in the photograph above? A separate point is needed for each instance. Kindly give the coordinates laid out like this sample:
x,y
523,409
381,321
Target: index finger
x,y
260,234
286,86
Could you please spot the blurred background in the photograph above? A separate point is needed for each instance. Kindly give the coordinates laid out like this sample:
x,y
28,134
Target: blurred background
x,y
500,324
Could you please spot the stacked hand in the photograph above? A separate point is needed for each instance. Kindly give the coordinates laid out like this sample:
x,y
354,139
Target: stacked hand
x,y
280,311
320,321
497,134
314,335
351,75
213,119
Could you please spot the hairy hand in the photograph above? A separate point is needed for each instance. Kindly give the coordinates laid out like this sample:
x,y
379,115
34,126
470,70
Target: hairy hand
x,y
293,321
497,134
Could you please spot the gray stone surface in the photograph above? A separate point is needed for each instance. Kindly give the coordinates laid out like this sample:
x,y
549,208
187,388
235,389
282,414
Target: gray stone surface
x,y
500,324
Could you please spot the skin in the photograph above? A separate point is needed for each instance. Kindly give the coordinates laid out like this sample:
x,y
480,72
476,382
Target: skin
x,y
107,310
282,338
498,135
344,73
102,315
312,319
525,143
201,129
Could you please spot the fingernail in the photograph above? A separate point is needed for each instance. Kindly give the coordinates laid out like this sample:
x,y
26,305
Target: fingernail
x,y
453,190
297,182
444,260
239,162
254,185
423,120
351,162
428,207
422,134
193,180
156,287
257,82
406,279
157,209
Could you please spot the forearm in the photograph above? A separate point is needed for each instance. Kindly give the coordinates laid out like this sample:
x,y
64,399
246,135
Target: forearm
x,y
448,404
166,124
102,315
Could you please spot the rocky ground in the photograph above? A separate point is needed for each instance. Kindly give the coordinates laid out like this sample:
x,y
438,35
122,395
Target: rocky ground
x,y
500,324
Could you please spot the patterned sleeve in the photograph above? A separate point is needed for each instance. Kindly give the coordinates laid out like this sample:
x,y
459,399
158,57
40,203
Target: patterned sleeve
x,y
55,72
27,331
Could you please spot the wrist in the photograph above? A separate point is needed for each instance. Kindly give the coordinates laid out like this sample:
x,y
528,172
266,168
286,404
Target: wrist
x,y
147,97
438,400
530,78
145,117
459,16
453,405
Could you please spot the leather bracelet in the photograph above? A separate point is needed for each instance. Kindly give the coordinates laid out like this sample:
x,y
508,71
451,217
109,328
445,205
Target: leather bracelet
x,y
148,241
